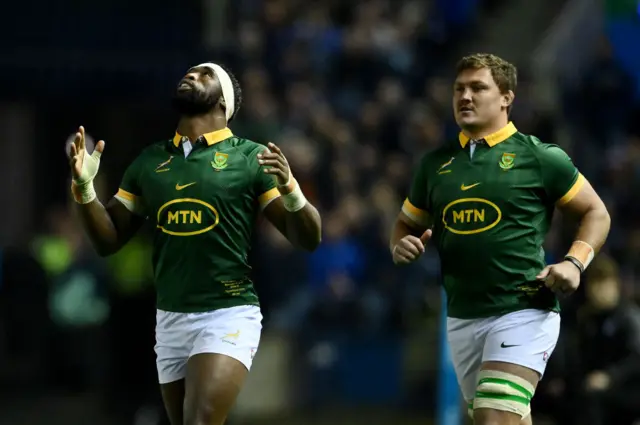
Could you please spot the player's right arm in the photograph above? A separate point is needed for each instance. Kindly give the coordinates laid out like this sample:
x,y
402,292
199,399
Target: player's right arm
x,y
109,228
411,229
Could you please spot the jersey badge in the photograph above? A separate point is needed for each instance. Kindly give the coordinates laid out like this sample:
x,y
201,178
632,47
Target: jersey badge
x,y
220,161
507,160
162,166
442,170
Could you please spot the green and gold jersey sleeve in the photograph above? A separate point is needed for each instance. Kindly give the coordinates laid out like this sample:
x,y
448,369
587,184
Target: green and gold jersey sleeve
x,y
415,206
560,177
129,192
265,184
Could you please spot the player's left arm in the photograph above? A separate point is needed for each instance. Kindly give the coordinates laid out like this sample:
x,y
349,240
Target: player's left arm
x,y
574,196
288,209
590,212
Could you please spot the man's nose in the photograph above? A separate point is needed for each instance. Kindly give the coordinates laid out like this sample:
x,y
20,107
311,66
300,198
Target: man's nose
x,y
466,94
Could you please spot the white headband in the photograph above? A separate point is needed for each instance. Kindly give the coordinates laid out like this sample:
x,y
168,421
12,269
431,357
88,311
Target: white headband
x,y
226,85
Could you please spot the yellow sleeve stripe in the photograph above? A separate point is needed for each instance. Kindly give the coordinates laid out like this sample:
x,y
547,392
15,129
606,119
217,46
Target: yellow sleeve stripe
x,y
126,195
572,192
414,213
268,196
130,201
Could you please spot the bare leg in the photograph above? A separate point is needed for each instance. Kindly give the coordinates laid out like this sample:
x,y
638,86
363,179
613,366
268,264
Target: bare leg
x,y
212,386
173,398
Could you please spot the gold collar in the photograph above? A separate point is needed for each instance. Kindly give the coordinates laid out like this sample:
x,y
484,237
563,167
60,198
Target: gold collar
x,y
211,138
494,138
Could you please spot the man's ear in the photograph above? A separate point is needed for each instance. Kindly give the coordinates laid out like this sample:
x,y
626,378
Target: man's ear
x,y
508,98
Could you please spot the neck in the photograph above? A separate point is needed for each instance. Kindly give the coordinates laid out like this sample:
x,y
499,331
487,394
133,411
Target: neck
x,y
197,125
475,133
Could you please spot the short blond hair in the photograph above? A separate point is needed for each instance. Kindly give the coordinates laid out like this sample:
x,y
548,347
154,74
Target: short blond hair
x,y
504,73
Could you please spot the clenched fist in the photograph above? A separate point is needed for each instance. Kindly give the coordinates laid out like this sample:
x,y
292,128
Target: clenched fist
x,y
410,248
562,278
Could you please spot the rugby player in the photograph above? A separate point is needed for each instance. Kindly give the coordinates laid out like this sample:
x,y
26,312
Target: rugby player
x,y
202,188
486,201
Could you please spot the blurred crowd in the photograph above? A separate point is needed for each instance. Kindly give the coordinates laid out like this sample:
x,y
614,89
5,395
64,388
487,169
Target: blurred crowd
x,y
353,93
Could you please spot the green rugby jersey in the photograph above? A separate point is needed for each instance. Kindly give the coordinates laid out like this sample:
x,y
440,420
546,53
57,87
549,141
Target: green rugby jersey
x,y
204,206
491,211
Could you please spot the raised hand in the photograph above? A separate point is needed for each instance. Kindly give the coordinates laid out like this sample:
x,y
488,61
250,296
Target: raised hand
x,y
84,167
279,167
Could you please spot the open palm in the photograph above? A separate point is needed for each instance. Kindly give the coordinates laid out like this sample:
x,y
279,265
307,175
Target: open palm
x,y
84,167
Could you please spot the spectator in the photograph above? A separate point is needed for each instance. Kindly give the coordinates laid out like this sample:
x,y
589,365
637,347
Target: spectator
x,y
78,304
606,359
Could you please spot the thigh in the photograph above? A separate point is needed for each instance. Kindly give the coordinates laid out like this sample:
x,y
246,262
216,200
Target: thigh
x,y
526,338
212,385
173,399
234,332
466,344
504,394
175,333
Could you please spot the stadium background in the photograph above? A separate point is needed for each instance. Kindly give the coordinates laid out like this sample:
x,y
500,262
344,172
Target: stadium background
x,y
353,92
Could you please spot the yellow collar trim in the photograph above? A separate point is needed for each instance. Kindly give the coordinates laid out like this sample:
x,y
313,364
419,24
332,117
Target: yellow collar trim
x,y
211,138
494,138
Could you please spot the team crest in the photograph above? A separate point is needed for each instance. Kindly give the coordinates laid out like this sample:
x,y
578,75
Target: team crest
x,y
442,170
220,161
506,162
162,166
231,337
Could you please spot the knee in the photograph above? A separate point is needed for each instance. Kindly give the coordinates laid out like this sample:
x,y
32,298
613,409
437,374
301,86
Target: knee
x,y
487,421
494,417
202,413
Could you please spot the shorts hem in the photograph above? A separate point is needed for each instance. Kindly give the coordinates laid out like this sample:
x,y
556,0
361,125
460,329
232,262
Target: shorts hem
x,y
516,362
172,378
224,353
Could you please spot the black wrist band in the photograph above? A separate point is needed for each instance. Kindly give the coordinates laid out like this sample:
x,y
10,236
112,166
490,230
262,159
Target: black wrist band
x,y
575,262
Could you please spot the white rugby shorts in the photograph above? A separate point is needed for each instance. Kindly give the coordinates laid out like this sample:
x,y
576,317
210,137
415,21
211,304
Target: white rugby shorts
x,y
526,338
233,331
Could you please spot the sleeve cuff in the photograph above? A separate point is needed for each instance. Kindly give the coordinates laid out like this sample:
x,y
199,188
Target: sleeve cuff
x,y
268,196
130,201
571,193
417,215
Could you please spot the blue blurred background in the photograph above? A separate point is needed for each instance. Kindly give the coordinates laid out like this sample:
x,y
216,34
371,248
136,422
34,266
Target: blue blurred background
x,y
353,91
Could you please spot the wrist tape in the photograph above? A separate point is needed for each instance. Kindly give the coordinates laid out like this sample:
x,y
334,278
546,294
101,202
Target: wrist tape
x,y
582,253
292,196
83,193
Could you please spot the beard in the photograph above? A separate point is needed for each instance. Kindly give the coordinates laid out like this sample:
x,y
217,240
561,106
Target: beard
x,y
193,102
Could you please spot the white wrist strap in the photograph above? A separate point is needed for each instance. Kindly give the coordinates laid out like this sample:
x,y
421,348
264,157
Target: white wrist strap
x,y
83,193
294,200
